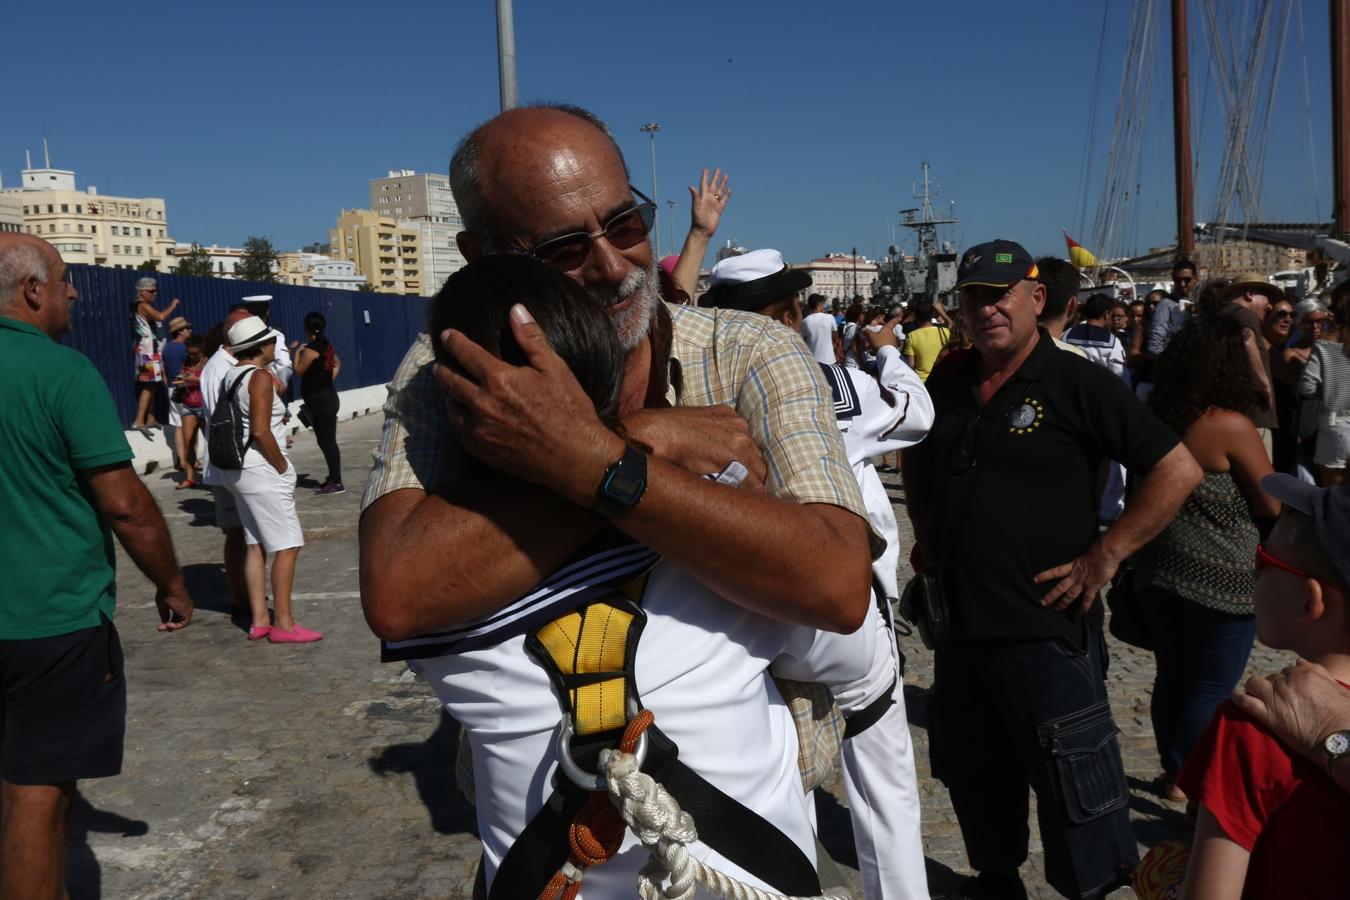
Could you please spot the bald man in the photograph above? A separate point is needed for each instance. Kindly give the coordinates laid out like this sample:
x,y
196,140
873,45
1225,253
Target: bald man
x,y
68,468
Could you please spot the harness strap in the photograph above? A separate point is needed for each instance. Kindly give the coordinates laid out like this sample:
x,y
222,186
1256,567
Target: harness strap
x,y
735,831
590,655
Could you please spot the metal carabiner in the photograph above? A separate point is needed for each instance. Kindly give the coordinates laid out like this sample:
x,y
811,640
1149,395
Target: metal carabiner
x,y
579,776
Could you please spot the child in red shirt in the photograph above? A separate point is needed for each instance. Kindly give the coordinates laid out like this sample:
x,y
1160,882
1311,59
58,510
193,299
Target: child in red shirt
x,y
1272,823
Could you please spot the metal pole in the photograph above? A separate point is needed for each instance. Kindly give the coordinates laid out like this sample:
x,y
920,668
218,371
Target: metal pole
x,y
506,53
1340,116
651,128
1181,132
855,271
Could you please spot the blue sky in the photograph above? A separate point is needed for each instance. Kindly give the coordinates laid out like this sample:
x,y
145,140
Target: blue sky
x,y
256,118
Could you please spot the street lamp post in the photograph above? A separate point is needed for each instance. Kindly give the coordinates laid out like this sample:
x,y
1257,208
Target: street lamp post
x,y
651,128
855,271
670,205
506,54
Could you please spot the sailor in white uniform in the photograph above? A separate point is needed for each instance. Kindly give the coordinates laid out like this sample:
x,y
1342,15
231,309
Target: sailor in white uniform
x,y
876,416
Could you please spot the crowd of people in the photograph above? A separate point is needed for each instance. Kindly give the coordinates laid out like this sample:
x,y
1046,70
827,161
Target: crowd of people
x,y
634,538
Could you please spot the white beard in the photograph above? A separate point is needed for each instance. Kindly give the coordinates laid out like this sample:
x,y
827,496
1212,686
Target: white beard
x,y
633,323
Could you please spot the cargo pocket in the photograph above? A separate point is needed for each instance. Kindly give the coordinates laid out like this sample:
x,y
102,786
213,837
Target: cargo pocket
x,y
1083,752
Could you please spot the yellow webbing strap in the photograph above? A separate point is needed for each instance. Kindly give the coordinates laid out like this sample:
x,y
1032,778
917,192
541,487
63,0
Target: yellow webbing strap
x,y
590,649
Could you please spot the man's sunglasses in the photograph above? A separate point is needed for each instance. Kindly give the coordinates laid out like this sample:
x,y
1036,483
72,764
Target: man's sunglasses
x,y
1283,313
627,229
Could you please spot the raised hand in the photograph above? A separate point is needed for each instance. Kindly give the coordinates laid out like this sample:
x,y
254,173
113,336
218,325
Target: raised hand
x,y
708,200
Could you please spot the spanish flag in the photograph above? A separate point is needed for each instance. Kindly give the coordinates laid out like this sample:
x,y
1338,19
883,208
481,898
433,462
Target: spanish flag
x,y
1079,255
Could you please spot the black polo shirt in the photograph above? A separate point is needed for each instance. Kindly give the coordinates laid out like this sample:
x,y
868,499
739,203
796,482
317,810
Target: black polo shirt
x,y
1015,481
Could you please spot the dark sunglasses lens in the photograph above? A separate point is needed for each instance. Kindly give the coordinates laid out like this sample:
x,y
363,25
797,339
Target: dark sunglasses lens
x,y
630,228
565,253
1283,314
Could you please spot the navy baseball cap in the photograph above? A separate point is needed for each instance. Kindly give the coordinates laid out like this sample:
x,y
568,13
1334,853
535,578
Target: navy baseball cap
x,y
1329,508
998,264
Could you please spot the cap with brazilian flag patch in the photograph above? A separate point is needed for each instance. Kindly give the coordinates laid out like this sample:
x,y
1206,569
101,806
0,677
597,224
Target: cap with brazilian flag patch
x,y
997,264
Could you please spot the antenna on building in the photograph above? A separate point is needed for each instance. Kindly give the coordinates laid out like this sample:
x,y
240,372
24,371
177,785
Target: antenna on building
x,y
28,155
47,154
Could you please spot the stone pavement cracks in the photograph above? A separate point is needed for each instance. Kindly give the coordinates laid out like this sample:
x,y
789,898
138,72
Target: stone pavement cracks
x,y
260,771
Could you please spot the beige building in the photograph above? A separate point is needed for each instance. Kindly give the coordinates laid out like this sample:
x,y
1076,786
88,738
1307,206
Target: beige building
x,y
423,199
387,253
839,276
11,211
1232,257
120,232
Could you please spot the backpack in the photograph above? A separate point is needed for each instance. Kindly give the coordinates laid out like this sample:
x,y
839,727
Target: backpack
x,y
225,440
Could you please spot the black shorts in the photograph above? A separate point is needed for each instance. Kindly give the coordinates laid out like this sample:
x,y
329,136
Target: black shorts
x,y
63,707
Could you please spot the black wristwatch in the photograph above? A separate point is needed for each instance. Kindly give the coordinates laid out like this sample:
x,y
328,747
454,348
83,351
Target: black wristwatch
x,y
1336,746
623,484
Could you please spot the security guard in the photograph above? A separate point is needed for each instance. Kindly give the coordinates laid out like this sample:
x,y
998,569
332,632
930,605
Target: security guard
x,y
1001,497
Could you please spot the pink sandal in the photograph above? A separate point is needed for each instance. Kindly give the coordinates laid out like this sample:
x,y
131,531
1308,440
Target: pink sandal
x,y
258,632
296,635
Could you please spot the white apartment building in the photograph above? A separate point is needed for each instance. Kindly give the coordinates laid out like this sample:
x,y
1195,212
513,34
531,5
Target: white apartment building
x,y
317,270
224,260
120,232
423,200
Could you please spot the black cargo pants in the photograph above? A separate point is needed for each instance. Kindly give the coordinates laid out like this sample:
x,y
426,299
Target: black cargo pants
x,y
1009,715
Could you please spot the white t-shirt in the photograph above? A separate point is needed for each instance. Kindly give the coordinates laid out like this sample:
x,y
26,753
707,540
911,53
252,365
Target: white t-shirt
x,y
701,668
818,332
220,363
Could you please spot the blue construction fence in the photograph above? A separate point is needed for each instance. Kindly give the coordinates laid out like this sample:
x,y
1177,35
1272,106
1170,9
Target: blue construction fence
x,y
370,332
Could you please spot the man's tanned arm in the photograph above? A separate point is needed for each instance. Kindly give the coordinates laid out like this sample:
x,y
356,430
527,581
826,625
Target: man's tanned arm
x,y
411,583
125,502
429,562
1164,489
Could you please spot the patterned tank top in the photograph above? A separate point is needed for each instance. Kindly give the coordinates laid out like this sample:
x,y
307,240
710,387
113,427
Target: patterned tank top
x,y
1207,555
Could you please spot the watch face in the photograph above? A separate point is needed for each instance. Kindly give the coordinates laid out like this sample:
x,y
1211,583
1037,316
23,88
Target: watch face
x,y
1338,743
625,488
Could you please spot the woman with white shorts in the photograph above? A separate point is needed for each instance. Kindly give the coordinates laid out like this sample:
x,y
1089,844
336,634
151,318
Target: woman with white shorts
x,y
264,489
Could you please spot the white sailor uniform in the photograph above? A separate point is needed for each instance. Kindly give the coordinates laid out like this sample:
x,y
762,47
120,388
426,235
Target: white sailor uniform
x,y
702,669
879,776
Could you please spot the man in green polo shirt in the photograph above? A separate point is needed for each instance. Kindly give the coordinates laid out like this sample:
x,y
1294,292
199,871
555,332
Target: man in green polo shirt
x,y
66,486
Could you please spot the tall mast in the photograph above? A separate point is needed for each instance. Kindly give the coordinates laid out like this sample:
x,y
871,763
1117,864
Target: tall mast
x,y
1181,130
1340,116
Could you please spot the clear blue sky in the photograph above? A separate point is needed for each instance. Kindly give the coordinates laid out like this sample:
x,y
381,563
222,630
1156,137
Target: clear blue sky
x,y
266,118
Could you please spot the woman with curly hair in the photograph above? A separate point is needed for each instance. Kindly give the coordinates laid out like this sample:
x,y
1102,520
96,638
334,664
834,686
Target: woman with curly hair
x,y
1196,579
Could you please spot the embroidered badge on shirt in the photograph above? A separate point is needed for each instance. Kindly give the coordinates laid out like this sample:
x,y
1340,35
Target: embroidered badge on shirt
x,y
1027,417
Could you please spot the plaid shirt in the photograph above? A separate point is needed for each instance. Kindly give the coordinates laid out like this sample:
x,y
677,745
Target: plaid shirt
x,y
736,359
